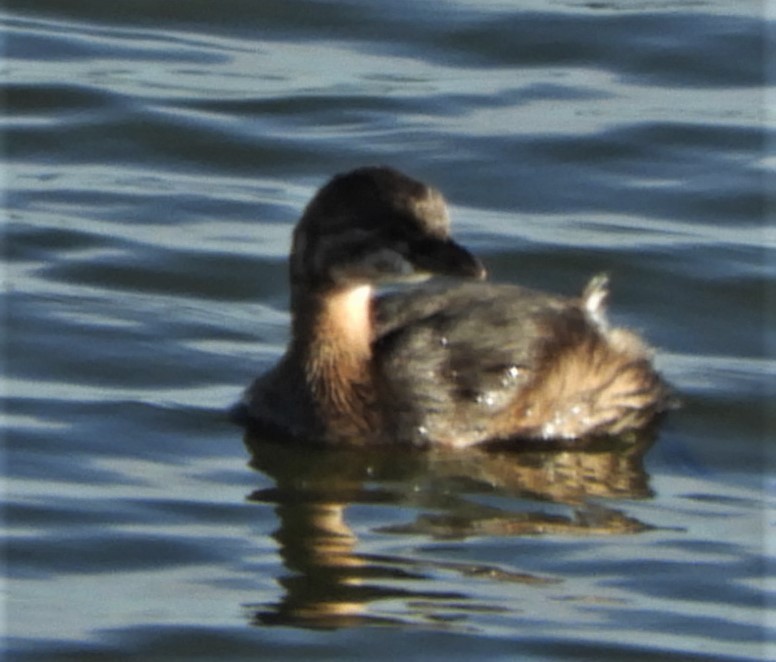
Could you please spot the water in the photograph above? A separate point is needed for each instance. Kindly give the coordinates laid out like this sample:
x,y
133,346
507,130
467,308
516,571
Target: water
x,y
157,155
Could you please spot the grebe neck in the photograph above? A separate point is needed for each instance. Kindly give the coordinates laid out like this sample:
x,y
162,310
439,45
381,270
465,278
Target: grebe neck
x,y
332,346
333,322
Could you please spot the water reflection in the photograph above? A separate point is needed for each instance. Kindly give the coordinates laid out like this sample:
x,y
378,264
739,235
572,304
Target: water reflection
x,y
332,579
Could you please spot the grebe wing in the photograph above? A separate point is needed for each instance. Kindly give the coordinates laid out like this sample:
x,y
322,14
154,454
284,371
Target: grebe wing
x,y
451,356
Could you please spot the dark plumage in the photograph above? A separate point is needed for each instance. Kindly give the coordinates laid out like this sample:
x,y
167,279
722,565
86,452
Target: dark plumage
x,y
452,363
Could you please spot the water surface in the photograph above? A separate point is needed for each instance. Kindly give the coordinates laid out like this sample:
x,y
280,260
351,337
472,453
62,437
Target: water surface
x,y
157,157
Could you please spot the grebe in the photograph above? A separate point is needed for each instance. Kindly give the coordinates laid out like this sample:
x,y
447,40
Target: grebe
x,y
449,364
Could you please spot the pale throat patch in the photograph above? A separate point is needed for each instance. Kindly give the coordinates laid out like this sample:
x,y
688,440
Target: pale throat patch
x,y
350,318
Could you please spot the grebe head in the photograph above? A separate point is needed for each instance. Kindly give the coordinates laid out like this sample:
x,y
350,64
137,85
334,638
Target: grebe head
x,y
375,224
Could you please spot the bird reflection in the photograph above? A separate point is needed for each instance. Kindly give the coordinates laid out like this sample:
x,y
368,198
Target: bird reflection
x,y
334,580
